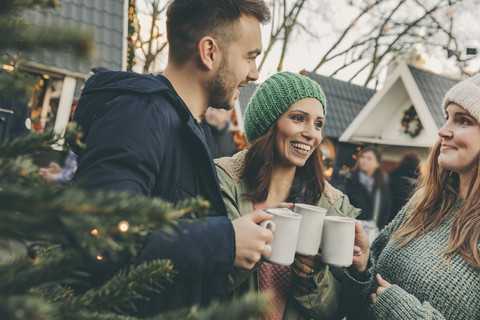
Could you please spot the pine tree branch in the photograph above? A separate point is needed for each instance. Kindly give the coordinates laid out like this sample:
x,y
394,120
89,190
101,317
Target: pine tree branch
x,y
27,307
53,201
24,272
19,36
15,82
7,6
89,221
125,287
35,141
250,306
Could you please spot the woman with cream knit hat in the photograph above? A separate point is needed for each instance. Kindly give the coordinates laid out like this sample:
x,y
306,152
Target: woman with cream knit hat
x,y
283,123
426,263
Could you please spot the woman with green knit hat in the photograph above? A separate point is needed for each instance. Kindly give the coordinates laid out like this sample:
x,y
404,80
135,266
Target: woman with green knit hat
x,y
426,263
283,165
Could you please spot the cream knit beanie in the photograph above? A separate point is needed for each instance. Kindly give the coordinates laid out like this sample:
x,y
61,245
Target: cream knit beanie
x,y
467,95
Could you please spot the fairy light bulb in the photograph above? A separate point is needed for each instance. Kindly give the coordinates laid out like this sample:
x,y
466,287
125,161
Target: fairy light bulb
x,y
123,226
99,257
94,232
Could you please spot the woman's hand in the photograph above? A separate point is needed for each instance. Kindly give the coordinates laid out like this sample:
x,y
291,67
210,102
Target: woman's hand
x,y
361,250
286,205
382,285
308,265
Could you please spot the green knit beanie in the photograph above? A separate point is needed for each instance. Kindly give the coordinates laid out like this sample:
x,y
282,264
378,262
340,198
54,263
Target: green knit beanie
x,y
276,95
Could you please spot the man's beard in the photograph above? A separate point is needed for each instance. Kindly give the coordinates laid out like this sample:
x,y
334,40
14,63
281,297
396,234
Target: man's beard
x,y
220,94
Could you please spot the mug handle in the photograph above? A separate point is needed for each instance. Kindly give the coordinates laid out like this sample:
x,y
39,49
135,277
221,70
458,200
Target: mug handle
x,y
268,224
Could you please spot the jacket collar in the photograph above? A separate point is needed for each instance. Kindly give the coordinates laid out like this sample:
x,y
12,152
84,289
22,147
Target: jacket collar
x,y
235,167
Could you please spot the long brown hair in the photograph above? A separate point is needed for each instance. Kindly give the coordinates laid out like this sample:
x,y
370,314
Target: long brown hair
x,y
436,196
258,171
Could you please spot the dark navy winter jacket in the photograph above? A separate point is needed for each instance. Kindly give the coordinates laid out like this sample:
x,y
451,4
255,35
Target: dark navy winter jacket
x,y
141,137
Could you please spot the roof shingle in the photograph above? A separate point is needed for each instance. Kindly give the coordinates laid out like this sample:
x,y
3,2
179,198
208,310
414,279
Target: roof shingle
x,y
433,88
104,18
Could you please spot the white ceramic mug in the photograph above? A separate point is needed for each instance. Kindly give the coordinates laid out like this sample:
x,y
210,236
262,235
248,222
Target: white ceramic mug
x,y
310,234
338,238
285,226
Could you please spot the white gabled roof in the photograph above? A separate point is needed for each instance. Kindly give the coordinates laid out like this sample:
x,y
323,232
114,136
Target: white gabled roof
x,y
379,122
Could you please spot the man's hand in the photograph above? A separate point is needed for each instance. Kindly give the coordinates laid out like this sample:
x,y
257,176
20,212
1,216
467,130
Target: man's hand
x,y
251,239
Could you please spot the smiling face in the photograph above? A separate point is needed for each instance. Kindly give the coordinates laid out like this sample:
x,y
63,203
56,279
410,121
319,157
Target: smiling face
x,y
460,141
238,65
299,132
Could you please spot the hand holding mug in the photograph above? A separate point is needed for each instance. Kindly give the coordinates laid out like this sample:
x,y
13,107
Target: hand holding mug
x,y
308,265
285,226
361,251
251,239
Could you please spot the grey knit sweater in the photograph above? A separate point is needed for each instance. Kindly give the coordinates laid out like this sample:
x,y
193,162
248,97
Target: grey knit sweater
x,y
423,286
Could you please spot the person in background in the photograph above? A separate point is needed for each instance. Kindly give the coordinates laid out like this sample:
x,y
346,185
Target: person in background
x,y
283,123
14,117
402,181
367,188
142,135
56,175
426,263
221,143
51,115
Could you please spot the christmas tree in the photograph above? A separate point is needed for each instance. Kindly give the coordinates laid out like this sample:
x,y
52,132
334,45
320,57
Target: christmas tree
x,y
71,236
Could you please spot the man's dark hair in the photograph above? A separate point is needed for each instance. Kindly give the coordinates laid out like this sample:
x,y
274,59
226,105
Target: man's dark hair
x,y
188,21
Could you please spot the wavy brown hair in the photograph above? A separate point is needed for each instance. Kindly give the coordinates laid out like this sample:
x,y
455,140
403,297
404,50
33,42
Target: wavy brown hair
x,y
309,181
437,193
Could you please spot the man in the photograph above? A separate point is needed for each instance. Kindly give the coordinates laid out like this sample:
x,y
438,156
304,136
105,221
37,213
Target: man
x,y
222,143
141,135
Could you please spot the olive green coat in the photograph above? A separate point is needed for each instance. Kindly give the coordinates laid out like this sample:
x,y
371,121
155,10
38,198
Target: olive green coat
x,y
314,297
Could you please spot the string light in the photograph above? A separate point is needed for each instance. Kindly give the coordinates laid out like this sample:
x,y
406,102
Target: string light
x,y
94,232
132,12
8,68
99,257
123,226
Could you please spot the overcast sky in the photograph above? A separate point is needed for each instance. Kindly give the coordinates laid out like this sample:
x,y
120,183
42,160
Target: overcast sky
x,y
324,27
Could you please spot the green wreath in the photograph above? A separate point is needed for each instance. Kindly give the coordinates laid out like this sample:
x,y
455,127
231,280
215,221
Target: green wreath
x,y
411,123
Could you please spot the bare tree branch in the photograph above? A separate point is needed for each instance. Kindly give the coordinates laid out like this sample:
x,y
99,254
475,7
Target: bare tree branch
x,y
290,24
377,59
284,23
155,42
325,58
